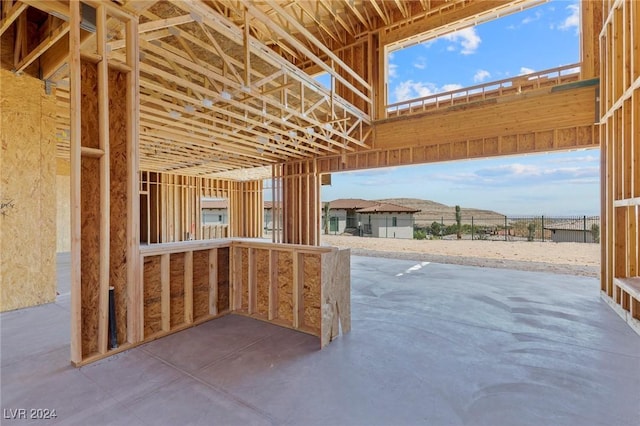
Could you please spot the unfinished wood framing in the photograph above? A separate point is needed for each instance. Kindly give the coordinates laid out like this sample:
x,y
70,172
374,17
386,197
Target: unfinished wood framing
x,y
297,190
210,98
187,283
27,193
104,182
620,150
171,208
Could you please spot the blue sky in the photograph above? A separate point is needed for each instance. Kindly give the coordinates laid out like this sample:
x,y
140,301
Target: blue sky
x,y
539,38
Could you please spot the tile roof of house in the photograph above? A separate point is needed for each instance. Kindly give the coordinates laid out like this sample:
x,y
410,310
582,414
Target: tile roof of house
x,y
387,208
269,204
214,204
350,204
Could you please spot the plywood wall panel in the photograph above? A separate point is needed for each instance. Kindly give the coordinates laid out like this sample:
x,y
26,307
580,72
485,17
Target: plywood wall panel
x,y
118,198
223,280
27,192
200,284
262,281
90,206
90,255
285,290
152,291
312,290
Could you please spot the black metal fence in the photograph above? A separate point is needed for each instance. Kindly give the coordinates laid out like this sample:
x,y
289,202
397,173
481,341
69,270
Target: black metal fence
x,y
579,229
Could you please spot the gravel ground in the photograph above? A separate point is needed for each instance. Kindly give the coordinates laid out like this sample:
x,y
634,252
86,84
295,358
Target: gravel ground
x,y
558,258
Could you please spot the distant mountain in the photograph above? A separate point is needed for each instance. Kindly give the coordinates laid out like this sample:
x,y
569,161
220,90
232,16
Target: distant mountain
x,y
430,212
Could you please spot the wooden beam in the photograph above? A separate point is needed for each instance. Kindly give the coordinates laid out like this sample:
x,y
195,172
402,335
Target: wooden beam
x,y
105,181
165,285
55,35
213,281
299,45
188,287
135,293
11,16
76,178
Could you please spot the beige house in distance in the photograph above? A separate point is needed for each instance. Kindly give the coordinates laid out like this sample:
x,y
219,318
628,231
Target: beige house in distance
x,y
370,218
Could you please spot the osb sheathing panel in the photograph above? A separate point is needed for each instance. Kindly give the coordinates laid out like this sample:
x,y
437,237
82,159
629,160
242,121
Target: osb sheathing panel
x,y
27,180
312,289
223,279
118,199
285,290
90,207
152,287
177,289
336,294
200,284
90,254
262,281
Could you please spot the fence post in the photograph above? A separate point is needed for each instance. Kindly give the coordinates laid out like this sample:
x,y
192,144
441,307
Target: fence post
x,y
584,228
543,228
471,228
505,228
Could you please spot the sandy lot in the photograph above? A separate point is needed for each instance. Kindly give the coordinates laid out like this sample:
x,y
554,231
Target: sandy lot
x,y
562,258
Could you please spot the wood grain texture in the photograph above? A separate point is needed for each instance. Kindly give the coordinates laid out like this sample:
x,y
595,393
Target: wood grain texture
x,y
262,282
312,286
118,193
27,182
177,289
223,280
285,289
152,296
200,284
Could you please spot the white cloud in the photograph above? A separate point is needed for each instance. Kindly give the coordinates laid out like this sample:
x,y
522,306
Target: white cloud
x,y
420,63
529,19
451,87
468,39
410,89
481,75
393,70
525,70
573,20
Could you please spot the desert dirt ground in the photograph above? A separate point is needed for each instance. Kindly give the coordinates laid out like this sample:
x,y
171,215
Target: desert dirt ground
x,y
560,258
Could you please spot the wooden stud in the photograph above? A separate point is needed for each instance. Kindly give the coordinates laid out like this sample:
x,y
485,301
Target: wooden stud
x,y
75,159
135,311
252,276
298,290
105,181
273,285
213,281
188,287
165,299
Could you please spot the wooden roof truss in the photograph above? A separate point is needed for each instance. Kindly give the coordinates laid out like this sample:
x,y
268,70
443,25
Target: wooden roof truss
x,y
223,84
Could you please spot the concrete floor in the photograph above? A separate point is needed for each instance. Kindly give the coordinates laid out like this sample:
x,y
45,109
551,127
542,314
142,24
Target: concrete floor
x,y
431,344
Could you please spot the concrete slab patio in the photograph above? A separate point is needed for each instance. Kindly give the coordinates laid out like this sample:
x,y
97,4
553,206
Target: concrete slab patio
x,y
431,344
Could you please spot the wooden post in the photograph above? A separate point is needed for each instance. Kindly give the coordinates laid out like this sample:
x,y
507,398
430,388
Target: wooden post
x,y
188,287
105,186
135,300
165,297
213,281
75,160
